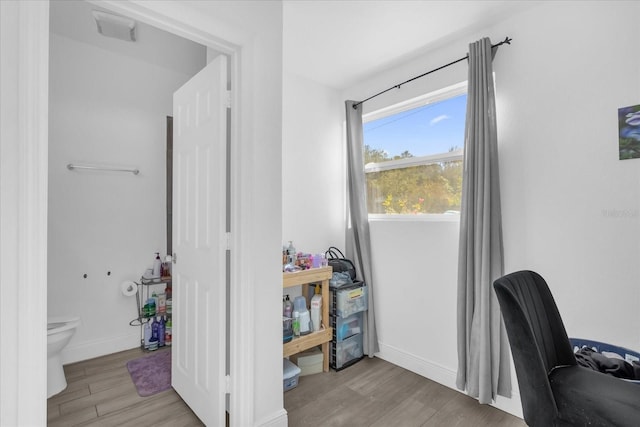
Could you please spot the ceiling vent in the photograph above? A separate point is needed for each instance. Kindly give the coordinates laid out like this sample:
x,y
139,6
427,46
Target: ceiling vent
x,y
115,26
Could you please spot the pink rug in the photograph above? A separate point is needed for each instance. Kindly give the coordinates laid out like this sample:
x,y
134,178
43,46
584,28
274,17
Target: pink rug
x,y
151,374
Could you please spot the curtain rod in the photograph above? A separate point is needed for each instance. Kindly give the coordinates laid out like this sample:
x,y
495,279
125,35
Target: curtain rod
x,y
507,40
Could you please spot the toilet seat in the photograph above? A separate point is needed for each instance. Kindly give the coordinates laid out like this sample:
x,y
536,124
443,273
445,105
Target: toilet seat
x,y
59,324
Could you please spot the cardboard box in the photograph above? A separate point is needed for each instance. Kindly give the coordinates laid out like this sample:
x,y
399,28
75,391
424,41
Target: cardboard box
x,y
309,362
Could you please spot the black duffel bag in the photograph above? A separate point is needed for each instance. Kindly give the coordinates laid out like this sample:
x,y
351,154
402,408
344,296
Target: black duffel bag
x,y
339,263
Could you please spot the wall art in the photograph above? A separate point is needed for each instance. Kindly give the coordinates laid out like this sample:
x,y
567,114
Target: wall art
x,y
629,132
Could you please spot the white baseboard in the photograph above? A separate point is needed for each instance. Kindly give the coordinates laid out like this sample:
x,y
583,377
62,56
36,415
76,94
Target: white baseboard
x,y
278,419
101,347
441,375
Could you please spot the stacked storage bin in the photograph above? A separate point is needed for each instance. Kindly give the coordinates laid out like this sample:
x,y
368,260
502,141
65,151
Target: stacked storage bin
x,y
346,312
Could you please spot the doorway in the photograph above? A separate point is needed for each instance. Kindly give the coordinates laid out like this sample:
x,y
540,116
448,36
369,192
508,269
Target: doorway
x,y
108,98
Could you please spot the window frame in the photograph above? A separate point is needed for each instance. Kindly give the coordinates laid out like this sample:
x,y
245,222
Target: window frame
x,y
458,155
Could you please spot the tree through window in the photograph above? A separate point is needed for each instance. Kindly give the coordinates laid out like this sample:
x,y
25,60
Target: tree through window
x,y
413,155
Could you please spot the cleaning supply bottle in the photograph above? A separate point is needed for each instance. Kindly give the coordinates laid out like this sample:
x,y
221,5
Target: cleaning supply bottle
x,y
296,323
154,296
154,328
287,307
162,303
316,310
147,334
157,266
161,331
300,306
167,332
151,308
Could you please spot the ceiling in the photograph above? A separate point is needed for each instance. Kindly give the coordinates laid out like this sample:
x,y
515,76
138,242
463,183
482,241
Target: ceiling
x,y
339,43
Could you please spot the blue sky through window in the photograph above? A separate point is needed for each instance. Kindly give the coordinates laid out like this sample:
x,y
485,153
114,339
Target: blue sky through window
x,y
430,129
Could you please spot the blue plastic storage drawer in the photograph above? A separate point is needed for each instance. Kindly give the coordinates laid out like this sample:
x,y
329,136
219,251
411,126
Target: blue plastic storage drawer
x,y
348,326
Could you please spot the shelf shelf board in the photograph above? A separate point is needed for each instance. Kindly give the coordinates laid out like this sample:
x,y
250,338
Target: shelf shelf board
x,y
313,275
305,342
155,280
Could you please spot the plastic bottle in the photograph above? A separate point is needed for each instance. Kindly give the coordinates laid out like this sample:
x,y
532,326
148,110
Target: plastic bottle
x,y
304,321
296,324
291,252
147,334
154,296
316,310
167,332
162,303
157,266
154,328
287,307
151,307
161,331
167,265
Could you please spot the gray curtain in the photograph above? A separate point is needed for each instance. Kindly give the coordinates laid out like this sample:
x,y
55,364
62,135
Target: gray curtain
x,y
483,357
358,239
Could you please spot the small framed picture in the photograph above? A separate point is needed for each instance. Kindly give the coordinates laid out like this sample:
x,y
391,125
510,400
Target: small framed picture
x,y
629,132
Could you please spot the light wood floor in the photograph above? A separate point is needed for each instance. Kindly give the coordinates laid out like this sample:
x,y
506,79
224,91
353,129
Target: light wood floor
x,y
375,393
370,393
100,392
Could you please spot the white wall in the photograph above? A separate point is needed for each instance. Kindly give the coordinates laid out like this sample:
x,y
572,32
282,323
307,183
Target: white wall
x,y
570,207
313,173
108,106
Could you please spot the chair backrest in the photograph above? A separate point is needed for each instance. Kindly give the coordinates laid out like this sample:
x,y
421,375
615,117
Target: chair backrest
x,y
538,340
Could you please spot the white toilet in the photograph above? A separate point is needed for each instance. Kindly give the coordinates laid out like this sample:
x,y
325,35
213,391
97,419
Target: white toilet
x,y
59,333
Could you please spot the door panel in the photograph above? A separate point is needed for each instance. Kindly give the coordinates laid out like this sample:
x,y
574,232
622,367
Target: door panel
x,y
199,219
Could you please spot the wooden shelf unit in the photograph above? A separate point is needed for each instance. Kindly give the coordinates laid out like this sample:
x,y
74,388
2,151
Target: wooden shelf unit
x,y
305,278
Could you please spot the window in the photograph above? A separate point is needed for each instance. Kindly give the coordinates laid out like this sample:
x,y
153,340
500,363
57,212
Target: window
x,y
413,154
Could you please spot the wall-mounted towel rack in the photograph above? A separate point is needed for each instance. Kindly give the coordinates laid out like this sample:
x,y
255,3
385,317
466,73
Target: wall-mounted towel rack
x,y
71,166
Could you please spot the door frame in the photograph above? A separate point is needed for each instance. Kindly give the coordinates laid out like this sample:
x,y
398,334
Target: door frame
x,y
23,204
235,45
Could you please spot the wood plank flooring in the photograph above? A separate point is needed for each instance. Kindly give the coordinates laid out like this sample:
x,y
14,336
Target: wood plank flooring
x,y
371,393
100,392
375,393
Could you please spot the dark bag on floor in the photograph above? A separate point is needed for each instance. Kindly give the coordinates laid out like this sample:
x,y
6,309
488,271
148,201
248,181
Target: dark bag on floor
x,y
339,263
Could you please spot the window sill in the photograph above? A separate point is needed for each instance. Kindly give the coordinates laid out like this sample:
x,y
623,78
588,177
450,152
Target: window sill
x,y
453,217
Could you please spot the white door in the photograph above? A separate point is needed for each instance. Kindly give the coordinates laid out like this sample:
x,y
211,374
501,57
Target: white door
x,y
199,231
